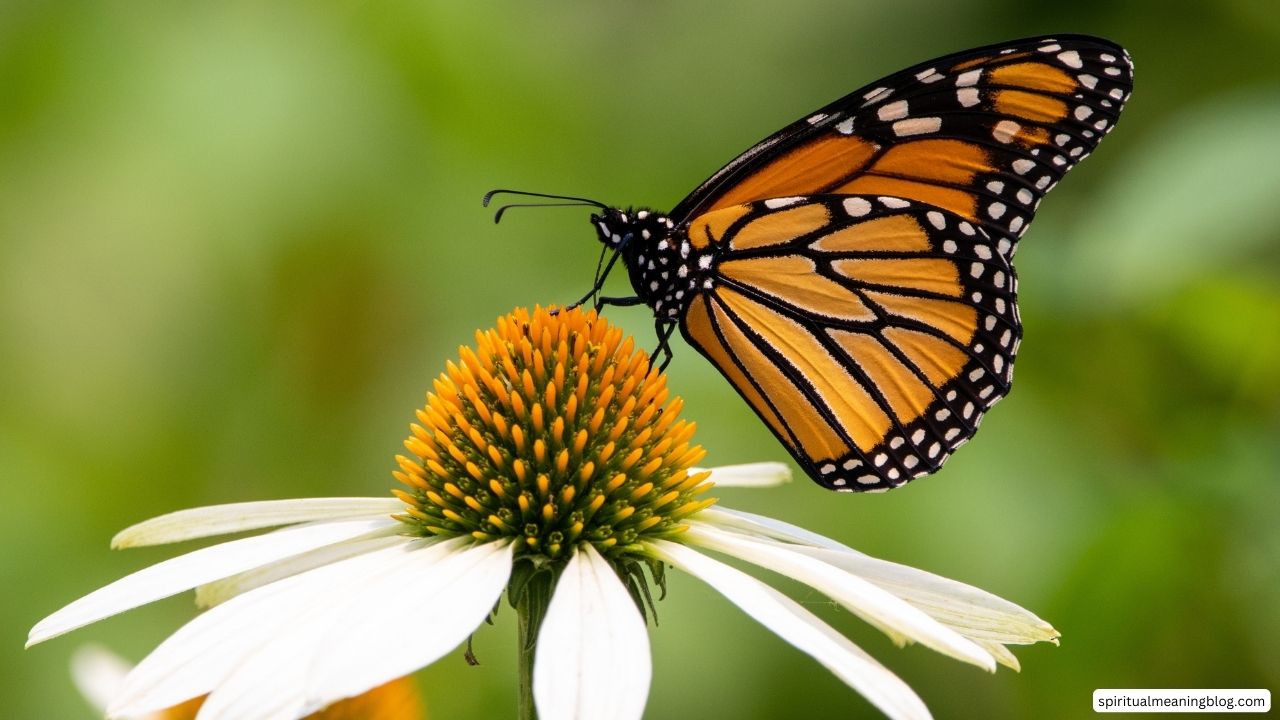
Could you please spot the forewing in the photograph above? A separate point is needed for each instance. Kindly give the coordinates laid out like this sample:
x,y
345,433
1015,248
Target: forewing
x,y
869,332
983,134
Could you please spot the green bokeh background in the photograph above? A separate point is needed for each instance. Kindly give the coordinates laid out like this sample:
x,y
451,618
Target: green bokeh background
x,y
238,241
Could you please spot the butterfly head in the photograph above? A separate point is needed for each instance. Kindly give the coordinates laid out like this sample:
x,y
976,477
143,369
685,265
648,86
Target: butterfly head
x,y
657,258
630,229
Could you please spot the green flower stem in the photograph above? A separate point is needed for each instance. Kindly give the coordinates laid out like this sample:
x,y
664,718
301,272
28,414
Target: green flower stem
x,y
531,608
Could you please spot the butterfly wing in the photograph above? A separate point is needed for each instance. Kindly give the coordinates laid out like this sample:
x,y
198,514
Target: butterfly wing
x,y
870,333
983,134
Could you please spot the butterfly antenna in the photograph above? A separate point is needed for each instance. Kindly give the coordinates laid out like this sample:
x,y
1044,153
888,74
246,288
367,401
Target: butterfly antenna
x,y
497,217
570,201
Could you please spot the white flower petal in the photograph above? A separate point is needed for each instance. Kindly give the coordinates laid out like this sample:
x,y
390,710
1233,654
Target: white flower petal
x,y
238,517
1001,654
754,475
766,527
98,674
406,619
270,682
197,568
220,591
871,603
593,650
799,627
971,611
202,653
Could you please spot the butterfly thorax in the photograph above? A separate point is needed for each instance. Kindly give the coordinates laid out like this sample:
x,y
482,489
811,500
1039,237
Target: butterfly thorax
x,y
664,268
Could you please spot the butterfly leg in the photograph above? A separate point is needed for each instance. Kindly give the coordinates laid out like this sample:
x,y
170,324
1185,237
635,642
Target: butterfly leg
x,y
619,301
663,327
601,276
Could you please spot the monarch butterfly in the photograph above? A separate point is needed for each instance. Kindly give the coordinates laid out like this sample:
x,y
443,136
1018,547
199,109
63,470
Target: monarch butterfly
x,y
851,274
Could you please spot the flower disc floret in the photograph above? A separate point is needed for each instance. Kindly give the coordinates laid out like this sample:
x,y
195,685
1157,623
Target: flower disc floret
x,y
554,430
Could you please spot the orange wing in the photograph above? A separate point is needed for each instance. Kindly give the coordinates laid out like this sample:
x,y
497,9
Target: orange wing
x,y
869,332
982,134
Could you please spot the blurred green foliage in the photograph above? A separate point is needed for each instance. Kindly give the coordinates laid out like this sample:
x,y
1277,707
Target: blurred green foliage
x,y
238,241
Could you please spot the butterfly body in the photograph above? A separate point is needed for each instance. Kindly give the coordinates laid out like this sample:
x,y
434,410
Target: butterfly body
x,y
851,275
659,261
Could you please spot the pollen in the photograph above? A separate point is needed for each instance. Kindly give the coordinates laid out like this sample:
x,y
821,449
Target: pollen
x,y
553,429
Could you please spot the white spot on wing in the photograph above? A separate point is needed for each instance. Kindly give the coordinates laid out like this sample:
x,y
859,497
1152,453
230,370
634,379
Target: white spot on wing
x,y
876,94
917,126
775,203
856,206
893,111
1005,131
